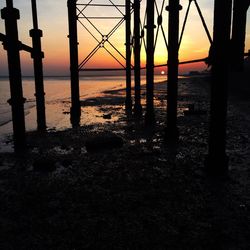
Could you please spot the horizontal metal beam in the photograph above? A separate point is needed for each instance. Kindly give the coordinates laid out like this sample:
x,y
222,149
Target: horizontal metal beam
x,y
101,5
26,47
156,66
99,17
2,37
193,61
180,63
106,69
21,45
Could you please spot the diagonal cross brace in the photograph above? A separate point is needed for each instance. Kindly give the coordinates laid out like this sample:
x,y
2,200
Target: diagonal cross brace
x,y
105,38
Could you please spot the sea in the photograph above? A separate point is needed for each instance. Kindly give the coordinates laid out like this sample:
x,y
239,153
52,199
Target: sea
x,y
57,99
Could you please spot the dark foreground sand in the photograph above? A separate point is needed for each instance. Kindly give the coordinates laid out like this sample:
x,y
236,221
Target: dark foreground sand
x,y
143,195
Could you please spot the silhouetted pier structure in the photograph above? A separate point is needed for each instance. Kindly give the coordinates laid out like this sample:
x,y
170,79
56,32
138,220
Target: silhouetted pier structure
x,y
217,161
128,102
13,46
239,33
218,58
150,115
38,56
75,112
173,63
137,58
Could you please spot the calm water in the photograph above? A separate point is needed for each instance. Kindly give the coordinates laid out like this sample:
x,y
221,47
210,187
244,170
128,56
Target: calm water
x,y
57,91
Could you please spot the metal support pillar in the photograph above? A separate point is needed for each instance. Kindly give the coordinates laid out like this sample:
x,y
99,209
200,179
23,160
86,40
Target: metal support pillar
x,y
137,59
128,102
172,132
37,56
11,15
150,116
75,111
217,161
239,34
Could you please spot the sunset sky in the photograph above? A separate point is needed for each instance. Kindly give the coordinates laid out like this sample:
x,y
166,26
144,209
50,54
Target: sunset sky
x,y
53,21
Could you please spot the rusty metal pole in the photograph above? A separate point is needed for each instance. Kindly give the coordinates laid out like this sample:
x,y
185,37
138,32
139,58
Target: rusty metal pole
x,y
239,33
150,115
11,15
137,59
128,102
38,56
217,160
172,132
75,111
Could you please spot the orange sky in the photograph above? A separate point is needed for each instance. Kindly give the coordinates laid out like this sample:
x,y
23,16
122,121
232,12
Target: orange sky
x,y
53,22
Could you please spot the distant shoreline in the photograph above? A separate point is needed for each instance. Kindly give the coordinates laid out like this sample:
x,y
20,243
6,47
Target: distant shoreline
x,y
97,76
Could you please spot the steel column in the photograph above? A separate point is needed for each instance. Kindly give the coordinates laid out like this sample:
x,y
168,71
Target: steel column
x,y
137,59
239,33
174,7
128,102
11,15
37,56
150,116
217,161
75,111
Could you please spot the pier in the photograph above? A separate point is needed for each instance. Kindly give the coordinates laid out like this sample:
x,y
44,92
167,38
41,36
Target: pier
x,y
141,141
142,34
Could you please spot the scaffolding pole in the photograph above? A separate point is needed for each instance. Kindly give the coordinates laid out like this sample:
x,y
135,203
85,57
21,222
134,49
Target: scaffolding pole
x,y
75,111
172,132
37,56
137,59
128,102
217,160
239,33
11,15
150,115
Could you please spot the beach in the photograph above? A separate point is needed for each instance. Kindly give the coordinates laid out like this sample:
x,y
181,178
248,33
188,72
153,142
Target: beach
x,y
58,102
139,194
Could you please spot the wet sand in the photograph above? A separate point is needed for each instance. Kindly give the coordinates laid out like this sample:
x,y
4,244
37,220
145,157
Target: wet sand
x,y
143,195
